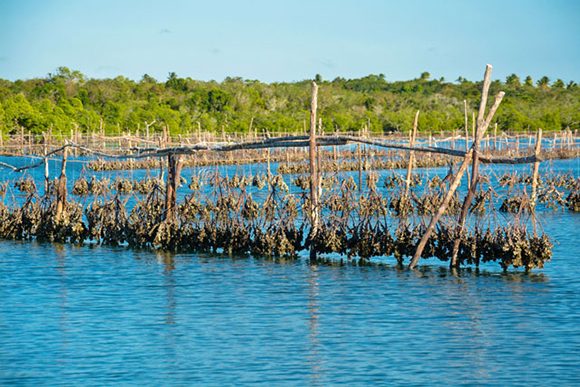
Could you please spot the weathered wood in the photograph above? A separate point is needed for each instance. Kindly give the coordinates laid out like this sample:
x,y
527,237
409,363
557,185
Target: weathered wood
x,y
466,125
482,125
412,138
314,208
46,176
537,151
441,210
475,165
466,137
360,166
319,158
61,187
173,177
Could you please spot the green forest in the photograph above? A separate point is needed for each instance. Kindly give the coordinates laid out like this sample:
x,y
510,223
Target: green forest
x,y
67,100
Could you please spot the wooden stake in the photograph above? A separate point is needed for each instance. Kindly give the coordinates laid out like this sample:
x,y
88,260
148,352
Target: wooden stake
x,y
466,125
537,151
314,210
61,189
46,177
360,166
412,137
173,176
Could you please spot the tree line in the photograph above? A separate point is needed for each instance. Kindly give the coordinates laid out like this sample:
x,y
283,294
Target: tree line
x,y
67,100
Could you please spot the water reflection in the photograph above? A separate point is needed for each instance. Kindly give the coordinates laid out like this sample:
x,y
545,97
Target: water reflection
x,y
426,269
168,261
103,315
314,358
63,320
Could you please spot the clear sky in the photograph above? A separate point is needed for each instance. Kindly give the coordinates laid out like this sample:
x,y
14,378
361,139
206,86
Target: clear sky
x,y
275,40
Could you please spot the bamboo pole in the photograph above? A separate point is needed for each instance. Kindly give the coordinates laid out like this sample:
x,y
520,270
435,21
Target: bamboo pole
x,y
314,209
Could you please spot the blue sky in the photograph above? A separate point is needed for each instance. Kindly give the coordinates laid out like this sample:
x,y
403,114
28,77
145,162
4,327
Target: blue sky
x,y
290,40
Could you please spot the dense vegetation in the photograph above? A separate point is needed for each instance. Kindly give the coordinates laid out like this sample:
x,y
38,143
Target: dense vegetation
x,y
67,99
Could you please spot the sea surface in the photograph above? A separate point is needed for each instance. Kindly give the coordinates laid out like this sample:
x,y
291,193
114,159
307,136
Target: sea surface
x,y
96,315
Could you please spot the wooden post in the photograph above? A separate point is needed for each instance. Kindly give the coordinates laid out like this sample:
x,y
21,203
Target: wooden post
x,y
22,139
160,164
173,176
412,137
360,166
314,210
467,137
61,189
495,137
473,125
537,151
269,173
46,177
466,125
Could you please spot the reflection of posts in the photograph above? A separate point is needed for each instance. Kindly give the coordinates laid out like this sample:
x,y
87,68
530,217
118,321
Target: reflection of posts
x,y
313,320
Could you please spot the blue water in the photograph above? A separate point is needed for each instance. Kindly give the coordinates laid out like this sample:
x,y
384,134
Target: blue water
x,y
90,315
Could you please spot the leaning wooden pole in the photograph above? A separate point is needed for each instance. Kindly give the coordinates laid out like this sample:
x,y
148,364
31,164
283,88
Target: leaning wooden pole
x,y
475,173
314,208
457,179
441,210
412,138
479,130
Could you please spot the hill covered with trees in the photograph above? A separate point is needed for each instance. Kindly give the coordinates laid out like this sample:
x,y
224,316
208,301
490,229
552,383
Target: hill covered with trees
x,y
67,99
